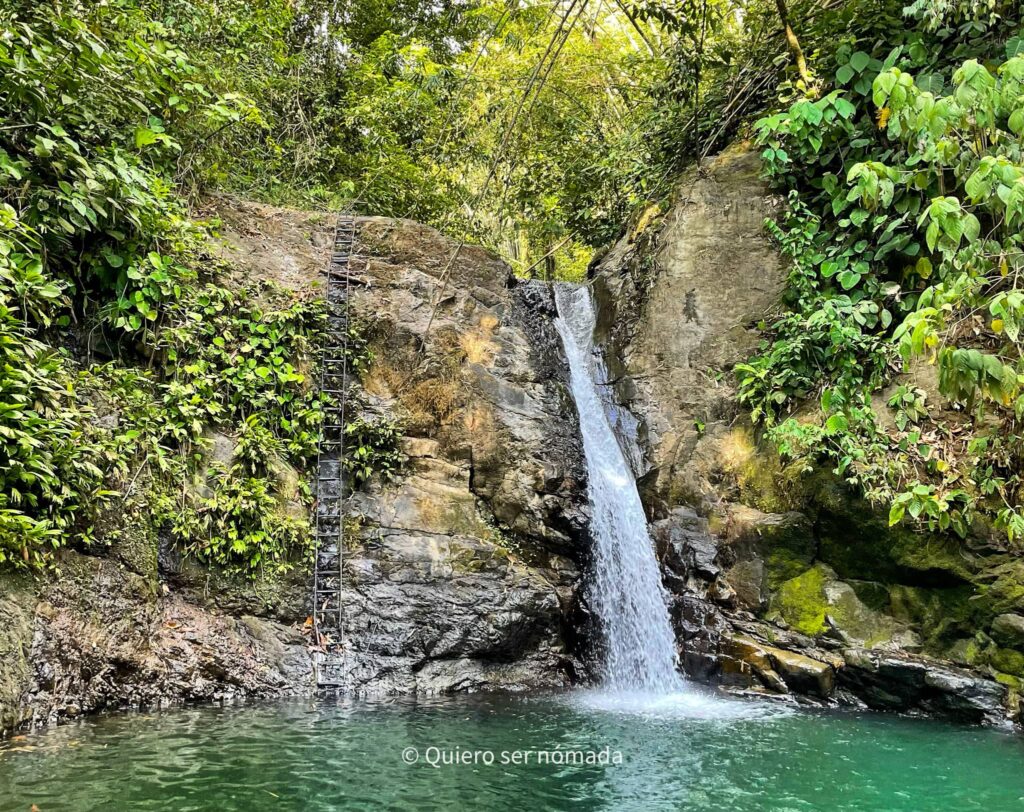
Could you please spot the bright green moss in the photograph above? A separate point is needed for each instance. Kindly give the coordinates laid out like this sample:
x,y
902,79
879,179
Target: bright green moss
x,y
801,602
1008,661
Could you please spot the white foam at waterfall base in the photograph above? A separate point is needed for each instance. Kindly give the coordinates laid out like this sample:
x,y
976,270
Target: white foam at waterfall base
x,y
625,591
690,703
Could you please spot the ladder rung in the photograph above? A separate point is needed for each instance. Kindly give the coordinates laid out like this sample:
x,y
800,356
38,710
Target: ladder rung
x,y
328,533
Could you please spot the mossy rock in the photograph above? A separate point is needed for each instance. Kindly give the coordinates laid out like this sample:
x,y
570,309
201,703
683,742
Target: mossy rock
x,y
1008,661
864,548
967,651
1016,684
872,594
814,600
785,542
933,559
17,610
761,478
785,564
801,601
282,596
941,615
766,485
126,528
1000,586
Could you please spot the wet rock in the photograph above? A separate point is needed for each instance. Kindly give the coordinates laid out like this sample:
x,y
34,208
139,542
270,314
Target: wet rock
x,y
435,599
699,626
749,580
722,593
744,649
903,682
782,670
103,639
684,544
804,674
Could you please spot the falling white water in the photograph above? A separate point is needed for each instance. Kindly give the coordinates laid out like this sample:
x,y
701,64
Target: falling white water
x,y
625,590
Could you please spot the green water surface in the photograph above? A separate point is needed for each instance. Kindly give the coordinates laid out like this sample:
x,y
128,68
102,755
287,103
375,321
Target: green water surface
x,y
351,755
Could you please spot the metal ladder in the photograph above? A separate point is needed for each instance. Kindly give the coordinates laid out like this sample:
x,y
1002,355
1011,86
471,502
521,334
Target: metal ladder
x,y
328,609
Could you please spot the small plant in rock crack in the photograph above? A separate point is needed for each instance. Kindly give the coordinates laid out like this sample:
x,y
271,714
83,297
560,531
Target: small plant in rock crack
x,y
372,447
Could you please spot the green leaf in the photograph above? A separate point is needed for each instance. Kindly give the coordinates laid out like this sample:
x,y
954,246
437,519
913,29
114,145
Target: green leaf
x,y
849,279
836,423
144,137
1016,122
972,227
859,61
933,83
844,108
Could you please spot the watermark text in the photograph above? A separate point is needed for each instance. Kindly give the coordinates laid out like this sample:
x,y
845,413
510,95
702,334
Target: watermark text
x,y
439,757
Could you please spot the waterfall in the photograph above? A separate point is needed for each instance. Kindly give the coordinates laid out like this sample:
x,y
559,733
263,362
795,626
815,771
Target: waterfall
x,y
625,590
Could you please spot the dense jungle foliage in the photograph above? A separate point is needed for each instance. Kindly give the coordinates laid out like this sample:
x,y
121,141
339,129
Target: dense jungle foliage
x,y
904,171
538,130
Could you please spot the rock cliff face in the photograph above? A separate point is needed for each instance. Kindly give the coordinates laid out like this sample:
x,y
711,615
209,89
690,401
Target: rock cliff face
x,y
459,574
462,573
108,630
781,581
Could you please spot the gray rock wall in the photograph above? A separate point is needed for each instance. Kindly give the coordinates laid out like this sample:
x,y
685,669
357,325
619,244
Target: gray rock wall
x,y
463,571
750,549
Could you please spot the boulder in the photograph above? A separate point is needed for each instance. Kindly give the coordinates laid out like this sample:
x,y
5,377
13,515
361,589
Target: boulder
x,y
782,670
896,681
1009,630
817,603
804,674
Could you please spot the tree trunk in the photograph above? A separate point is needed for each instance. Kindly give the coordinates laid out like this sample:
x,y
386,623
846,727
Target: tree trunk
x,y
794,43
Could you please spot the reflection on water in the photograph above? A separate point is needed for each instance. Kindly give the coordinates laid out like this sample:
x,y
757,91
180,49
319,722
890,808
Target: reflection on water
x,y
695,752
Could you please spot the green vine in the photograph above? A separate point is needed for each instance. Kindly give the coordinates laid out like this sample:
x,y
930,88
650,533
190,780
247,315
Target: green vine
x,y
906,187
